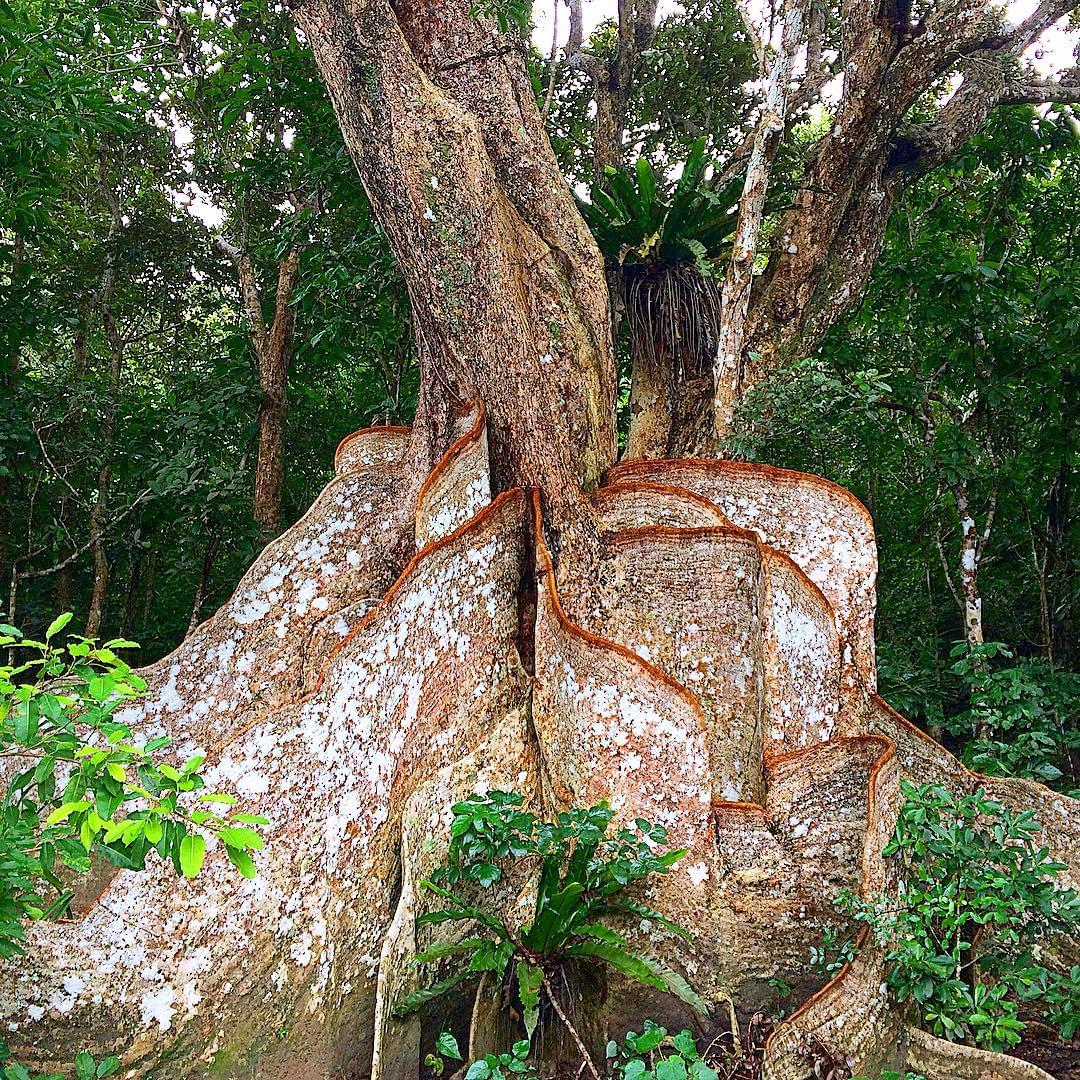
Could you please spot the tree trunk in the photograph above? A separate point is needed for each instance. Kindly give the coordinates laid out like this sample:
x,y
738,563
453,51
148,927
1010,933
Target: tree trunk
x,y
273,349
95,613
275,356
206,568
99,512
970,555
728,371
506,284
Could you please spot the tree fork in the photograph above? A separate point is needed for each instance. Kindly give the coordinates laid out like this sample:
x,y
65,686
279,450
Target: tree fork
x,y
506,284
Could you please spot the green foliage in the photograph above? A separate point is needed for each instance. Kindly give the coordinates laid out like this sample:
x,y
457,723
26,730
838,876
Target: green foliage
x,y
1021,717
86,1068
656,1055
965,940
446,1046
85,786
637,223
834,952
507,14
698,44
492,1066
101,108
583,873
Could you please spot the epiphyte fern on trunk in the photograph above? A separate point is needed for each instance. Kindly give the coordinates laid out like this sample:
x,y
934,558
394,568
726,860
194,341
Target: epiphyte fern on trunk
x,y
583,872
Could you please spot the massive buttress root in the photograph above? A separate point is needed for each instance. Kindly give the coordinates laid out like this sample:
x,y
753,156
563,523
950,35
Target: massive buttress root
x,y
722,684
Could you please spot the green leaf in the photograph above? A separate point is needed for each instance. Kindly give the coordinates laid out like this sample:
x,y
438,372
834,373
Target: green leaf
x,y
55,627
529,978
623,961
62,813
672,1068
192,853
447,1045
240,837
448,948
241,860
419,998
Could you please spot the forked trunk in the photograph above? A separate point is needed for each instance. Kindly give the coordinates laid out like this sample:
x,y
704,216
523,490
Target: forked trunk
x,y
506,284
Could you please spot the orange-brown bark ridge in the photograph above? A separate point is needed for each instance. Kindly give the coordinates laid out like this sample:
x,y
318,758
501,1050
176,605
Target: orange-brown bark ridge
x,y
723,685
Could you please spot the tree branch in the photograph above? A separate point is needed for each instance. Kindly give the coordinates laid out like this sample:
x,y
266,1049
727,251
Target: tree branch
x,y
1064,90
56,567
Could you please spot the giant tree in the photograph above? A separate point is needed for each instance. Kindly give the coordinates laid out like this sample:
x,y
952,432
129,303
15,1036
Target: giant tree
x,y
489,601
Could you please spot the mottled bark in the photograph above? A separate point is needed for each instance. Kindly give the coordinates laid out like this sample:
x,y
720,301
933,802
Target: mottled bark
x,y
506,285
971,547
728,374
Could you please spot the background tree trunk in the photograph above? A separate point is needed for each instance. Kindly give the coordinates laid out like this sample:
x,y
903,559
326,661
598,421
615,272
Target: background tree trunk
x,y
99,512
206,569
274,356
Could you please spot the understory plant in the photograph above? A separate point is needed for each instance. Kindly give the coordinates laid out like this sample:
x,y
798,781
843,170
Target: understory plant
x,y
969,937
84,786
654,1054
584,872
1021,716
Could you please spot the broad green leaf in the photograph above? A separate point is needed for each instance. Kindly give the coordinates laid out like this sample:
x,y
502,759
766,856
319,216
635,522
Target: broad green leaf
x,y
241,860
419,998
192,854
58,624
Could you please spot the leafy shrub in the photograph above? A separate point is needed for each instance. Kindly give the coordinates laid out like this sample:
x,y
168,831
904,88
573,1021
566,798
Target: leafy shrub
x,y
1023,714
656,1055
978,904
88,788
86,1068
583,873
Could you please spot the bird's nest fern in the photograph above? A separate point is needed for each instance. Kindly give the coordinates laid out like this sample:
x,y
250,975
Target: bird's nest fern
x,y
662,246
